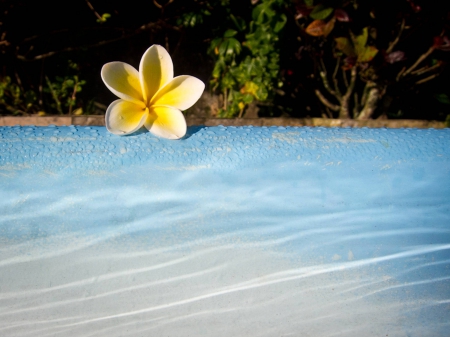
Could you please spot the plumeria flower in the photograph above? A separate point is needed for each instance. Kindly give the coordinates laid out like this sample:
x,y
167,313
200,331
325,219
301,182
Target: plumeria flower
x,y
151,97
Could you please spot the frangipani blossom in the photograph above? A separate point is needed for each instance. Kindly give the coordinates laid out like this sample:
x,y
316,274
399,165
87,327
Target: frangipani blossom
x,y
151,97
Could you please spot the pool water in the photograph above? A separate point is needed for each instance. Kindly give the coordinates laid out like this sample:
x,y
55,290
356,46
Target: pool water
x,y
239,231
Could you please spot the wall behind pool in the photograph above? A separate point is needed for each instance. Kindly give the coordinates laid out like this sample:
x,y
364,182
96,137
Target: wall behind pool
x,y
230,231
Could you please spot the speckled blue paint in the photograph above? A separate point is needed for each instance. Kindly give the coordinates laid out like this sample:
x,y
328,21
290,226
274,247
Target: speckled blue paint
x,y
230,231
61,148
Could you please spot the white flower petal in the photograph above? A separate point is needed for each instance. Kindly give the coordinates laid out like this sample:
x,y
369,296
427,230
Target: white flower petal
x,y
123,117
123,81
181,93
166,122
155,70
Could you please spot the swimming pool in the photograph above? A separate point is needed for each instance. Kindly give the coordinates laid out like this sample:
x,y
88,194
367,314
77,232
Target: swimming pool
x,y
246,231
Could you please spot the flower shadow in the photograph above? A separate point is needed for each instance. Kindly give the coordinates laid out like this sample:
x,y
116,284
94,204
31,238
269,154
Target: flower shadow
x,y
192,130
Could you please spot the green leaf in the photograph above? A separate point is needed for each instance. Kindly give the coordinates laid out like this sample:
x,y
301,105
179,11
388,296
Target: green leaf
x,y
360,41
238,22
309,3
223,47
280,24
104,17
344,45
368,54
320,12
230,33
442,98
234,47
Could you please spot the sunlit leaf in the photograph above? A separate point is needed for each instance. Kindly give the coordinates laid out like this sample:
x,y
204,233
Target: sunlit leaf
x,y
329,27
360,41
368,54
234,47
316,28
78,111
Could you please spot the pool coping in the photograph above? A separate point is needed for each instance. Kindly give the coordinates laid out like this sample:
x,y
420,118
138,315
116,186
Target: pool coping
x,y
98,120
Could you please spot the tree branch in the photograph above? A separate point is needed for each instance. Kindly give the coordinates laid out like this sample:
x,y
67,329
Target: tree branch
x,y
326,84
419,60
326,102
335,81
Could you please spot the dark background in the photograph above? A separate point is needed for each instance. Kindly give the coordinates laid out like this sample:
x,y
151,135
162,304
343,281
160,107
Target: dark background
x,y
39,37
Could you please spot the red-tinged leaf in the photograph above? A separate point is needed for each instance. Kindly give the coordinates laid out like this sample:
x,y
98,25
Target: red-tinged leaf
x,y
341,15
368,54
329,27
345,45
316,28
437,41
348,63
301,12
441,43
415,8
395,56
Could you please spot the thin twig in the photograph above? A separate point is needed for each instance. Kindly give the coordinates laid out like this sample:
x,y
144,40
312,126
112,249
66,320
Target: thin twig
x,y
326,84
424,70
426,79
356,106
41,79
162,6
157,4
400,74
344,76
365,94
351,86
73,98
393,43
225,99
93,9
419,60
335,81
54,95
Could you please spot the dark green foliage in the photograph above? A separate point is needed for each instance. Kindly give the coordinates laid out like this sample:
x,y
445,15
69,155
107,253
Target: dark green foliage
x,y
274,53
